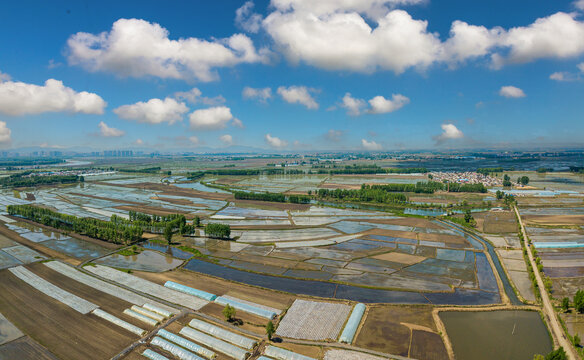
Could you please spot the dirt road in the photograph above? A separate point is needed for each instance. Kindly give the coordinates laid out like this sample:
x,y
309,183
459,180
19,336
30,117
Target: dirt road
x,y
548,310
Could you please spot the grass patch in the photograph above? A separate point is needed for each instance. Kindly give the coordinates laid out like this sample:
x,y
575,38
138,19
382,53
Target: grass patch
x,y
193,251
130,251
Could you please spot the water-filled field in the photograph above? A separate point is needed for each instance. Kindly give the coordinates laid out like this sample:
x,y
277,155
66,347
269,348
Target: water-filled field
x,y
496,334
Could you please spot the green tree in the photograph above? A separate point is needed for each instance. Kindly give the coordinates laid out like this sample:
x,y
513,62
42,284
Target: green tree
x,y
270,329
168,233
576,340
500,194
558,354
468,216
566,304
579,301
229,312
197,221
524,180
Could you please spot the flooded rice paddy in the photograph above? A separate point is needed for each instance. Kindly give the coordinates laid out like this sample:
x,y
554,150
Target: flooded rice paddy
x,y
516,335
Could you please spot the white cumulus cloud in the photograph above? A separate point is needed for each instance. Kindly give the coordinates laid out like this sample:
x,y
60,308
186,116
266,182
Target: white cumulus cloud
x,y
370,145
449,132
154,111
511,92
275,142
194,140
5,133
260,94
107,131
381,105
377,105
247,19
195,96
18,98
226,139
298,95
138,48
353,105
213,118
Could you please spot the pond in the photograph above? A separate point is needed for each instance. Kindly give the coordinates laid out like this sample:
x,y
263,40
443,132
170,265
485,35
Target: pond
x,y
146,261
490,335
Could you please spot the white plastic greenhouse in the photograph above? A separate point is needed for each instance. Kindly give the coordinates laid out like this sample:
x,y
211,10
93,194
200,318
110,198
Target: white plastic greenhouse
x,y
145,312
191,291
283,354
143,318
352,324
214,343
223,334
153,355
187,344
246,307
174,349
121,323
157,310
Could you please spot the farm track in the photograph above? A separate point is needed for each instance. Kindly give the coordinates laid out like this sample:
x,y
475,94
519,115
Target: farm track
x,y
548,309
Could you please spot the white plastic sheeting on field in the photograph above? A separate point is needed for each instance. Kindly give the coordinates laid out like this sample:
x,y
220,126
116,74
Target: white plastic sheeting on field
x,y
157,310
313,320
174,349
105,287
274,310
153,355
264,358
147,287
338,354
223,334
143,318
283,354
214,343
121,323
191,291
75,302
246,307
352,324
187,344
148,313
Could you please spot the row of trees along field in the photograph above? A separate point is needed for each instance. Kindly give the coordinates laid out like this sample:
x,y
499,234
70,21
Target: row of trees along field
x,y
27,179
115,232
367,169
275,197
365,194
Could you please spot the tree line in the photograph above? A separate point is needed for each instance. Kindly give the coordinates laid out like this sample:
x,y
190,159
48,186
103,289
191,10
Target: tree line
x,y
27,179
365,194
274,197
115,232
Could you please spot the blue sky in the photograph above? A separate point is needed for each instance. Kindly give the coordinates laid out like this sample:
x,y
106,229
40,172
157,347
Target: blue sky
x,y
292,74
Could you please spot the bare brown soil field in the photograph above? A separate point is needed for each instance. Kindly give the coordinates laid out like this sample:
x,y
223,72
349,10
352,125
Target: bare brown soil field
x,y
25,349
340,186
5,241
316,352
63,331
383,329
400,258
428,346
106,302
497,222
251,322
172,200
451,239
392,233
554,219
221,287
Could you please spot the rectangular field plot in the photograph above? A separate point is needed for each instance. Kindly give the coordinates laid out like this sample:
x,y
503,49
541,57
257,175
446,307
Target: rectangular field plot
x,y
81,305
284,235
8,332
23,254
313,320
